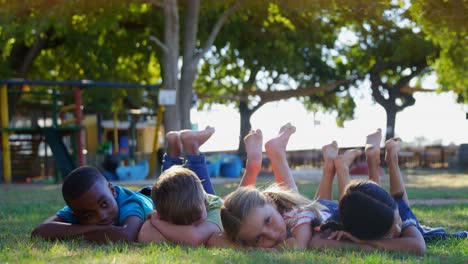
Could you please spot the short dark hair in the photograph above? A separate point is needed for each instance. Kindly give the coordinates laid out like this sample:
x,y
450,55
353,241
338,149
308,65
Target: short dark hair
x,y
367,210
178,196
79,181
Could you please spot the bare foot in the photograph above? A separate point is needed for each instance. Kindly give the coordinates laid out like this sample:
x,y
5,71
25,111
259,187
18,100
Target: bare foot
x,y
345,160
392,147
253,145
329,152
276,151
372,151
342,163
174,145
372,148
279,143
192,140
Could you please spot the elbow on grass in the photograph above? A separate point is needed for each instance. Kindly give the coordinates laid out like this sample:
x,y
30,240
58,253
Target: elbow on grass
x,y
196,240
127,237
420,250
38,232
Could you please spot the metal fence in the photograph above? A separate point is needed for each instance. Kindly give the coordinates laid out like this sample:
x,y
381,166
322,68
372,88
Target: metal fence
x,y
431,157
435,157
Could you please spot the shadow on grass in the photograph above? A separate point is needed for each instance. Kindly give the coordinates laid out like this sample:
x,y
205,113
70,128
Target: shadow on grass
x,y
452,217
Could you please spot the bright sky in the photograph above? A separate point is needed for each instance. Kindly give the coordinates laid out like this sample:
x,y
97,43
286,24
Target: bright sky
x,y
435,117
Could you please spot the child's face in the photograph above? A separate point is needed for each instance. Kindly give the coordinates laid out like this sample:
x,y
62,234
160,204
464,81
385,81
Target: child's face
x,y
395,230
263,227
97,206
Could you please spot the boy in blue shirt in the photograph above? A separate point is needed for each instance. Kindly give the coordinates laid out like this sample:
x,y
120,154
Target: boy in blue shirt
x,y
96,209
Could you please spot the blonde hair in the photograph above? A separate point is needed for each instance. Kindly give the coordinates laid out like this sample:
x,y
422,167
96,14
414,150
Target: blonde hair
x,y
240,203
178,196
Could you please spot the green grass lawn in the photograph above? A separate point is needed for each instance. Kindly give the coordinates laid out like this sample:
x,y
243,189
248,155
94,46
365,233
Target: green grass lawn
x,y
419,186
24,206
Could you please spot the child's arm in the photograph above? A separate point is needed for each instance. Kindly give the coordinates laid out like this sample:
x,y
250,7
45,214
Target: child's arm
x,y
302,234
321,241
55,228
221,240
300,238
194,235
410,241
148,232
128,232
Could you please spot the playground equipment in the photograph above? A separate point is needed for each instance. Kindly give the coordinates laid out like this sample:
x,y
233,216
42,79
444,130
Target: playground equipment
x,y
14,137
20,143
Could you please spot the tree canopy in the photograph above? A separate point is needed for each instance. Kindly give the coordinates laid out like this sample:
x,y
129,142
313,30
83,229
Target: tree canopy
x,y
446,24
238,52
81,40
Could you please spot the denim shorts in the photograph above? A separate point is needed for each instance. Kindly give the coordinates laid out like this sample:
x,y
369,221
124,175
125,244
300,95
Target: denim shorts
x,y
427,232
330,212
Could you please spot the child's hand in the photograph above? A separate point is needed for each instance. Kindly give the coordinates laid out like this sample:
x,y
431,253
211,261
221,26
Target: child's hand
x,y
153,216
343,235
290,243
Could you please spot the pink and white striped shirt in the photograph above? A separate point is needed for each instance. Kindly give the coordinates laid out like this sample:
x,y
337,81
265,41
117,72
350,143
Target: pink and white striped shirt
x,y
297,217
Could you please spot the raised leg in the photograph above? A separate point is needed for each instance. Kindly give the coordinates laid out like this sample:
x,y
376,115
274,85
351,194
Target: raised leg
x,y
372,150
397,185
342,164
276,151
173,151
253,146
329,152
195,161
192,140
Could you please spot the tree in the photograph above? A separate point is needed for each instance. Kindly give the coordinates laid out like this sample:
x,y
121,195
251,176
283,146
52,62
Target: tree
x,y
80,40
281,52
390,53
189,55
445,23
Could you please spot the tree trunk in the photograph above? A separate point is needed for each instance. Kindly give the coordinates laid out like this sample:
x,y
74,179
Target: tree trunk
x,y
189,65
395,91
21,60
391,121
170,59
245,127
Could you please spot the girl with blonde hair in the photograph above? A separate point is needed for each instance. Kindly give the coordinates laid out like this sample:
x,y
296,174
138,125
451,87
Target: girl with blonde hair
x,y
275,217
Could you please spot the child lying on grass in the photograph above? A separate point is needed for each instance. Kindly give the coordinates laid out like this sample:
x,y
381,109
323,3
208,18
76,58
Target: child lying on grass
x,y
258,218
184,213
277,217
96,209
101,211
368,214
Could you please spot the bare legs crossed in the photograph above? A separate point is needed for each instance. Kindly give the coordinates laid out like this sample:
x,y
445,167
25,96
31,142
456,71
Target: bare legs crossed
x,y
276,151
253,146
397,185
324,190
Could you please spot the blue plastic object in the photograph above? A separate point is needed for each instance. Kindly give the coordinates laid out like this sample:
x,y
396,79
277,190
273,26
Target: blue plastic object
x,y
231,166
123,146
138,171
213,168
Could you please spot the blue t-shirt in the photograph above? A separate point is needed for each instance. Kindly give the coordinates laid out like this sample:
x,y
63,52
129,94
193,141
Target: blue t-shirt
x,y
130,203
